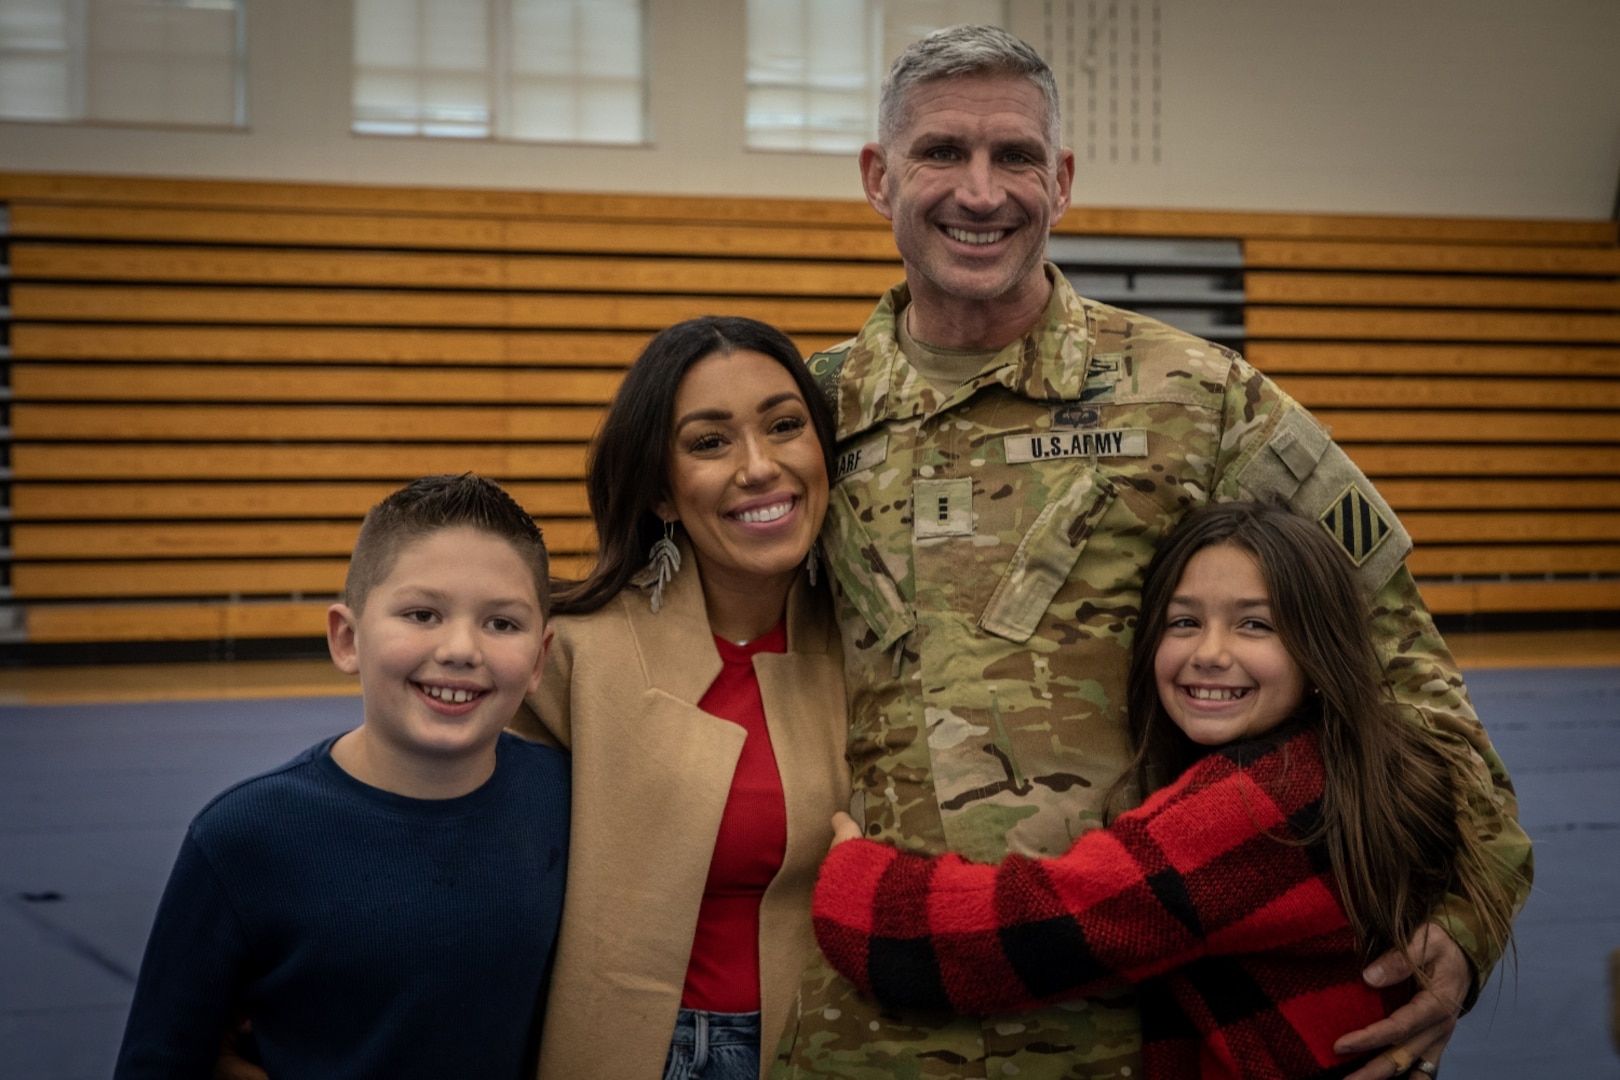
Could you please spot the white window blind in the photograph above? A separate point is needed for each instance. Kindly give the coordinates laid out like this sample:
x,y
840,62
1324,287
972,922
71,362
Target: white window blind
x,y
815,66
171,62
527,70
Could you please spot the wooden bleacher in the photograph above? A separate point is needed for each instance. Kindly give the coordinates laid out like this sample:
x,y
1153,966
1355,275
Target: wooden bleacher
x,y
1476,382
211,381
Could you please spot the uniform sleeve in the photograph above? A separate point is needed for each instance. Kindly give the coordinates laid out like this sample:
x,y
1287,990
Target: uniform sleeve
x,y
187,992
1272,447
1430,689
1196,870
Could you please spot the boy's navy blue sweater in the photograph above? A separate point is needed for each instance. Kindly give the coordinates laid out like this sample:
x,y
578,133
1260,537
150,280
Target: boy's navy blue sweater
x,y
365,934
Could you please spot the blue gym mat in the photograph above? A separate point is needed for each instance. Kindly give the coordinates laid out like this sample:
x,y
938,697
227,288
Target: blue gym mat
x,y
94,799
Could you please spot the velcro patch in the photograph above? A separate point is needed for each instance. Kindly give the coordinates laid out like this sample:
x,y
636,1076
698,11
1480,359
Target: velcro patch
x,y
942,508
1094,442
1102,377
1354,522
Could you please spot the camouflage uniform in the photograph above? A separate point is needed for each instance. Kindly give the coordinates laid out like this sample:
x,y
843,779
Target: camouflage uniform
x,y
988,546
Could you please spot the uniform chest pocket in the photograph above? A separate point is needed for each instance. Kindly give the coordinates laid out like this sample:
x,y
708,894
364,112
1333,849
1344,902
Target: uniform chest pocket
x,y
1045,558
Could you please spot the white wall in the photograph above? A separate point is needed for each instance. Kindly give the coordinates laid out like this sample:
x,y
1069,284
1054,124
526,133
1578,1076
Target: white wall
x,y
1469,107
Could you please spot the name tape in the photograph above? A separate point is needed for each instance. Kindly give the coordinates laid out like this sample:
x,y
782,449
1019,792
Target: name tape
x,y
1116,442
867,455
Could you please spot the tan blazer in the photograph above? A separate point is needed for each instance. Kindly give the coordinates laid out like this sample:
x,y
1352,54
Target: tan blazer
x,y
651,773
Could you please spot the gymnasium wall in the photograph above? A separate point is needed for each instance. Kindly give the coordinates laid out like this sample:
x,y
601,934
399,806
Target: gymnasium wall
x,y
1442,107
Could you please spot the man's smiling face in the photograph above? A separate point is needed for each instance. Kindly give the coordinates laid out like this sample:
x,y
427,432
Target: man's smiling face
x,y
972,185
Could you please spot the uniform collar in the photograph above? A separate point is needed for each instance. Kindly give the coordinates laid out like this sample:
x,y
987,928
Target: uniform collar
x,y
877,385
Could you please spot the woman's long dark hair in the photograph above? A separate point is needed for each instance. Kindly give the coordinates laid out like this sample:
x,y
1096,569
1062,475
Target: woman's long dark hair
x,y
627,474
1393,795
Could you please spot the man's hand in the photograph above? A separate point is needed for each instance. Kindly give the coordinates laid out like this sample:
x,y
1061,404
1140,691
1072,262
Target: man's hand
x,y
1422,1027
844,828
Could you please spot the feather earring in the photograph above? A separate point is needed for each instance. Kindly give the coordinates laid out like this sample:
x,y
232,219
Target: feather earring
x,y
663,563
812,562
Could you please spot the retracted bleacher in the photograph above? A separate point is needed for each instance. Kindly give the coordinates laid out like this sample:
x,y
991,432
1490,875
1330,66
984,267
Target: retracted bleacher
x,y
211,381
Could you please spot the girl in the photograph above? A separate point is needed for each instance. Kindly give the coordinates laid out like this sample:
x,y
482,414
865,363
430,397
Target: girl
x,y
1298,826
696,677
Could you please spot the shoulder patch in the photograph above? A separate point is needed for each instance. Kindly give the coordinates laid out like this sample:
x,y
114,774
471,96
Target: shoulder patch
x,y
1355,524
825,368
1302,466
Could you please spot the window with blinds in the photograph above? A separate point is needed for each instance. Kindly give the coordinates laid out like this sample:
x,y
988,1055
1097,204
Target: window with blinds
x,y
167,62
815,66
525,70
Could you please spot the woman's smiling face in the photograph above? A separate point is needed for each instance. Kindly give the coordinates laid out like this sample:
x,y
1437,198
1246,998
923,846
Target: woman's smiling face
x,y
747,477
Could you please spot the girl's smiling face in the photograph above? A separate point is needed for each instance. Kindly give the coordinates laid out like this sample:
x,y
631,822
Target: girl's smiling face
x,y
1221,668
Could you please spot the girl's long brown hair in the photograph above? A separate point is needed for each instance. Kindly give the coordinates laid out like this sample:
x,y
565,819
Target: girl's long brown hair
x,y
1394,796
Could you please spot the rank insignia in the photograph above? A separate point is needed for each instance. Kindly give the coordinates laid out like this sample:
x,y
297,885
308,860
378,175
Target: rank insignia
x,y
1355,523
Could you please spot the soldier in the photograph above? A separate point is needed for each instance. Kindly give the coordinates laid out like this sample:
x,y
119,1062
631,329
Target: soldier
x,y
1009,453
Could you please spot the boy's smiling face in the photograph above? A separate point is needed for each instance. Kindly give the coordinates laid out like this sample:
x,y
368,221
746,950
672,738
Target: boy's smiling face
x,y
446,647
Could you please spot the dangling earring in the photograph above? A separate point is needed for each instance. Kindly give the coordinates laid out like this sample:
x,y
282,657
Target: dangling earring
x,y
812,561
663,563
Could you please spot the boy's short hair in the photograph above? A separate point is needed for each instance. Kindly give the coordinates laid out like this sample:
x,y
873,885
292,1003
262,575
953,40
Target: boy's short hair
x,y
430,505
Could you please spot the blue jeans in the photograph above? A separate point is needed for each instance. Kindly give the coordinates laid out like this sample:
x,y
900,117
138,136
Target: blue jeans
x,y
714,1046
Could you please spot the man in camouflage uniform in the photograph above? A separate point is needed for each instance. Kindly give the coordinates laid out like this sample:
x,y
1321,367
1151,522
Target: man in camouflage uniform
x,y
1009,453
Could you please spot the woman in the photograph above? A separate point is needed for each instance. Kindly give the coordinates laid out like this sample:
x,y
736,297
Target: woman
x,y
696,678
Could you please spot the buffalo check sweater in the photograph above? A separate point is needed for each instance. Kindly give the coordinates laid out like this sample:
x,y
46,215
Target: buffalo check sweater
x,y
1206,895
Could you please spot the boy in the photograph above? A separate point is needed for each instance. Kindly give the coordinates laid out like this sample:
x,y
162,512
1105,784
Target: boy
x,y
386,903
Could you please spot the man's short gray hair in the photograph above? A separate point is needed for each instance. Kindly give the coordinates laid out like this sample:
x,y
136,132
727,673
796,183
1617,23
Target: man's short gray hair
x,y
964,50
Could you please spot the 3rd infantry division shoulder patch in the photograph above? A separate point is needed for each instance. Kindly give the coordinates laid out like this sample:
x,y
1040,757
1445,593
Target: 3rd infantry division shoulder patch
x,y
1355,523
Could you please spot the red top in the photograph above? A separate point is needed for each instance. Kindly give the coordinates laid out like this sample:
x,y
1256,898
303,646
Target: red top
x,y
723,974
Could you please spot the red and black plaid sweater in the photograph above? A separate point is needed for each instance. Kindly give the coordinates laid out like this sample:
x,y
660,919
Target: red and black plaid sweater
x,y
1204,895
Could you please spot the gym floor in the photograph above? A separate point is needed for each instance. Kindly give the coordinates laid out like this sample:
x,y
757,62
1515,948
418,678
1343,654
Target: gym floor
x,y
101,769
